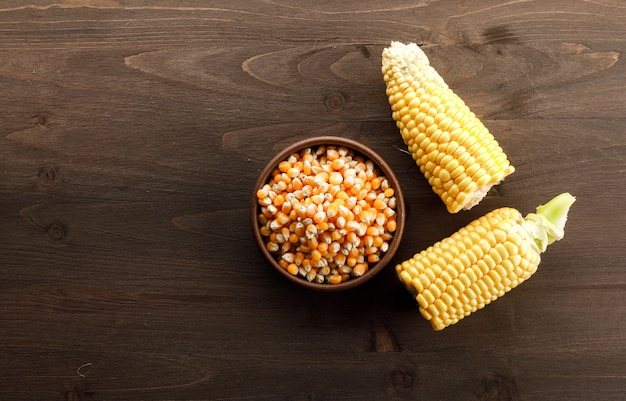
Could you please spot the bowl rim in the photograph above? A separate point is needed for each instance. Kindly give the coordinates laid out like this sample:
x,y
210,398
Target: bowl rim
x,y
358,148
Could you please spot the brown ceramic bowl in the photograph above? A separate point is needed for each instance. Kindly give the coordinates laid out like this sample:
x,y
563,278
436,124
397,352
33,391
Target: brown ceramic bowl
x,y
383,169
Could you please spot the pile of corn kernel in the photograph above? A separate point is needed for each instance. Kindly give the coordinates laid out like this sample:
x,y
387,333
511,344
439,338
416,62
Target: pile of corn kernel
x,y
327,214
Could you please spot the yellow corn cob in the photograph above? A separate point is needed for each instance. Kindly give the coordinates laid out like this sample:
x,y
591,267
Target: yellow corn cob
x,y
456,153
482,261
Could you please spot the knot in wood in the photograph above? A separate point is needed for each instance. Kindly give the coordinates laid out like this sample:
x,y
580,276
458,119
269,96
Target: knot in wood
x,y
42,119
497,386
334,102
401,380
56,232
46,175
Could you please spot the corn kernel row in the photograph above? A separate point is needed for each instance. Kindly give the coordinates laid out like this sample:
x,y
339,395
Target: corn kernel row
x,y
327,214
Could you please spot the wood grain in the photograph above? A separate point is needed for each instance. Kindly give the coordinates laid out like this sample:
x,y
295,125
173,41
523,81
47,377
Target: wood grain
x,y
131,135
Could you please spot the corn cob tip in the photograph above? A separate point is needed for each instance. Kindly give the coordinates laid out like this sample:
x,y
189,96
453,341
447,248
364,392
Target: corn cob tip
x,y
547,224
404,56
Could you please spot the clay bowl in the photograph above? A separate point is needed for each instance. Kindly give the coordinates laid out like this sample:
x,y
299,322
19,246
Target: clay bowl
x,y
381,167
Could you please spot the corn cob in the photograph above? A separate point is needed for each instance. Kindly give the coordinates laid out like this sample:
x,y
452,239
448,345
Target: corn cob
x,y
482,261
454,150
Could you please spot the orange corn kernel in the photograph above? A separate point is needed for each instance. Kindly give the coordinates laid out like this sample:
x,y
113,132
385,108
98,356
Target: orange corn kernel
x,y
359,269
292,268
379,204
373,258
316,255
335,279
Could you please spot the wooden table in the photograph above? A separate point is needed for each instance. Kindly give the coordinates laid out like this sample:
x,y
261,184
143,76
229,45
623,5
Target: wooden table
x,y
132,132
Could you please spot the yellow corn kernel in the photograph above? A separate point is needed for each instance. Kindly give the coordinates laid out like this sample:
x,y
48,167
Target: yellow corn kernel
x,y
454,150
486,270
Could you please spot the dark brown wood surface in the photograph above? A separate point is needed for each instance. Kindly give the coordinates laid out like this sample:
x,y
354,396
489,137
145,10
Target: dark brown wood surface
x,y
131,134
